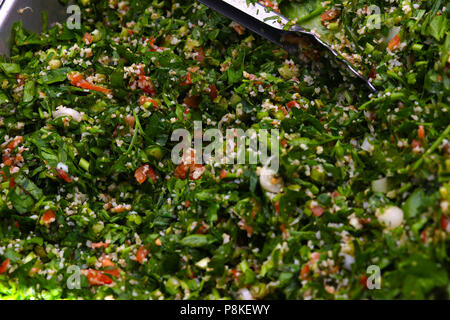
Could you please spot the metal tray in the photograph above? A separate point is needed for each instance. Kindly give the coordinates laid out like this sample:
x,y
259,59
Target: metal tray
x,y
30,13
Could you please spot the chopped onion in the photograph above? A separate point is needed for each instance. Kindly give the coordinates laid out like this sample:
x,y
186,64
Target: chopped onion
x,y
269,182
380,185
246,294
67,112
366,146
391,217
348,261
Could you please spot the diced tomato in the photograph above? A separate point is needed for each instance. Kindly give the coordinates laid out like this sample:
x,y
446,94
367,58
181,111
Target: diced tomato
x,y
304,272
87,38
98,245
141,254
188,164
4,266
213,93
120,208
87,85
110,267
7,160
130,121
244,226
200,56
192,101
394,43
15,143
144,172
186,80
317,211
77,80
63,175
146,85
223,174
196,171
292,104
96,277
144,99
372,73
415,144
106,262
329,15
277,207
335,194
181,171
363,281
140,175
152,175
421,132
236,274
445,223
187,203
153,47
48,217
314,257
240,30
12,183
284,143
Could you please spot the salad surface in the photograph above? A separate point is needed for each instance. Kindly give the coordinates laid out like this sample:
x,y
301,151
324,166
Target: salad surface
x,y
93,207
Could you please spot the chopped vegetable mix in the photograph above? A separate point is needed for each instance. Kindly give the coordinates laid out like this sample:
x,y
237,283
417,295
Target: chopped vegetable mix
x,y
89,190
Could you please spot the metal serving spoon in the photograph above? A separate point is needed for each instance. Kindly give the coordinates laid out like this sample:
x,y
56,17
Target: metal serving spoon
x,y
276,28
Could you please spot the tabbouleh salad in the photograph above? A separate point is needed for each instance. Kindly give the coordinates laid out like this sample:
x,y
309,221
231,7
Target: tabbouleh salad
x,y
87,181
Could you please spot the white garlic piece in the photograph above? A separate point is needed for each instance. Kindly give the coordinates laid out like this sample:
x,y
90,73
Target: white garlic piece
x,y
67,112
390,217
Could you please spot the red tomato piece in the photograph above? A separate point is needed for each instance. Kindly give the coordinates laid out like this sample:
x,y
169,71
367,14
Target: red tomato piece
x,y
144,99
144,172
48,217
15,143
394,43
4,266
98,245
96,277
77,80
146,85
421,132
141,254
87,38
192,101
140,175
130,121
63,175
317,211
213,93
200,54
329,15
186,80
